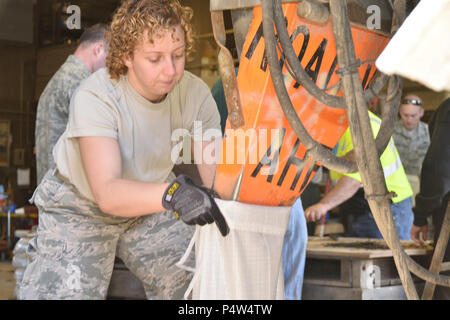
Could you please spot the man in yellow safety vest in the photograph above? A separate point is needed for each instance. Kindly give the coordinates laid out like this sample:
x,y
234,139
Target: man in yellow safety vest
x,y
348,193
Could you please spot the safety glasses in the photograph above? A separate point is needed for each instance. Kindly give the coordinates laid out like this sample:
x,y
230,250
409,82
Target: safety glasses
x,y
416,102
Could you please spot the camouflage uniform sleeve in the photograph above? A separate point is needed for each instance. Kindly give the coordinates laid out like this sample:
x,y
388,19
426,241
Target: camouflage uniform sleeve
x,y
53,112
41,135
58,118
51,122
424,144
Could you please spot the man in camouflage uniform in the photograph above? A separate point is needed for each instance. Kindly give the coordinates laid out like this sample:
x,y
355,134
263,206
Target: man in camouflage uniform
x,y
411,138
53,107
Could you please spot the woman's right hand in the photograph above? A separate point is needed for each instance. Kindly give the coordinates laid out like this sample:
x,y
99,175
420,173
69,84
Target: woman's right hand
x,y
193,204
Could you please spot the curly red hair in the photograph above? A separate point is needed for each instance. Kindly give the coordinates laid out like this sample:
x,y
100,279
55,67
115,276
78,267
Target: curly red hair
x,y
134,17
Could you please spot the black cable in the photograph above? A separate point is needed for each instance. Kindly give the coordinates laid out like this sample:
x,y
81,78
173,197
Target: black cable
x,y
303,78
320,153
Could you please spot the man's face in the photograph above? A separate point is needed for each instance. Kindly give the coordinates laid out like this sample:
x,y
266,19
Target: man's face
x,y
410,115
156,67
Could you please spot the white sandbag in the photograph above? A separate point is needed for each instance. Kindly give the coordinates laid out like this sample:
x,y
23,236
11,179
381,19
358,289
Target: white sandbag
x,y
420,48
246,264
19,261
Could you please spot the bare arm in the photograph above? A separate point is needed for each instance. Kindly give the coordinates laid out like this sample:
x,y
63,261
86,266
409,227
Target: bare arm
x,y
116,196
207,164
344,190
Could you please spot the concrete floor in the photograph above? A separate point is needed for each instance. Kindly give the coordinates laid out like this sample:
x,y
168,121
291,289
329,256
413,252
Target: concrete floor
x,y
7,281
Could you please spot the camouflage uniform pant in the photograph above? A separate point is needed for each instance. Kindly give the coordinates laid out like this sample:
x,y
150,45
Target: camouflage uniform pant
x,y
72,256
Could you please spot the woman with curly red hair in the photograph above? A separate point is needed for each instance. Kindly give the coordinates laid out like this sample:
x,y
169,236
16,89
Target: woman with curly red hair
x,y
113,190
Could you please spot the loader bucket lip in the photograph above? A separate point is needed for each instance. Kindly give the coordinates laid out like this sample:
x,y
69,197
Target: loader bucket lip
x,y
358,11
275,168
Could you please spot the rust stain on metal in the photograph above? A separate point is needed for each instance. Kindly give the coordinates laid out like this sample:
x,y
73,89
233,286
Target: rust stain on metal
x,y
227,73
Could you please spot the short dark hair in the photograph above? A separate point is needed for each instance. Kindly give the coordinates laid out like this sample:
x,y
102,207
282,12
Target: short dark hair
x,y
94,34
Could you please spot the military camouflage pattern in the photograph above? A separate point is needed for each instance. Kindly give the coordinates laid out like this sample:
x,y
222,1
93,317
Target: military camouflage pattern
x,y
53,111
412,145
72,256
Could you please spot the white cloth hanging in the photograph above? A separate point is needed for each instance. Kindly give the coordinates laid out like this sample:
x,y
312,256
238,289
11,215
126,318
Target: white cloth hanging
x,y
246,264
420,49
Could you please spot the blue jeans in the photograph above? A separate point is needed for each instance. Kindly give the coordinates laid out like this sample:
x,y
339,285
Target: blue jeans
x,y
364,225
294,252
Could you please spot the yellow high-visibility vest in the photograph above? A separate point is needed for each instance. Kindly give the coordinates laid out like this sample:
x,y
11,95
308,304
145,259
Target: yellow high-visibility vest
x,y
394,174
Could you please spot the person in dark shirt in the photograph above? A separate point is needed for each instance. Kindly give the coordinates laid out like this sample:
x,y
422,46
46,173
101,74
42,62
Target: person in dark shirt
x,y
435,184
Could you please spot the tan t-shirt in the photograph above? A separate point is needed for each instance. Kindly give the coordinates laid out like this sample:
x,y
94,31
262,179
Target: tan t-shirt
x,y
109,108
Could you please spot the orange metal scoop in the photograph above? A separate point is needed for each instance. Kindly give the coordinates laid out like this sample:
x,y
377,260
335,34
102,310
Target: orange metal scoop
x,y
264,162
